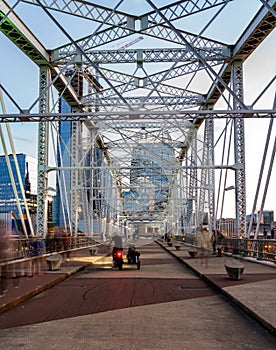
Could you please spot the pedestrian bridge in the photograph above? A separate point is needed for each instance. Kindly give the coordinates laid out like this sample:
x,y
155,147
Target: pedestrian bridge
x,y
142,114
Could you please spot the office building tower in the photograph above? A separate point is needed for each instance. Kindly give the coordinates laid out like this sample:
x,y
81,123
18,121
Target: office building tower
x,y
9,206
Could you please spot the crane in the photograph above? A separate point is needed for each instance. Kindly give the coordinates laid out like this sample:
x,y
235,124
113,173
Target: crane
x,y
132,42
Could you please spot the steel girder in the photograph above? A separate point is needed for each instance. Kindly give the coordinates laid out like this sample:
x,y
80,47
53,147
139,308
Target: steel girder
x,y
123,24
260,27
196,116
148,82
164,102
75,153
155,55
14,28
259,30
237,76
42,177
115,17
211,172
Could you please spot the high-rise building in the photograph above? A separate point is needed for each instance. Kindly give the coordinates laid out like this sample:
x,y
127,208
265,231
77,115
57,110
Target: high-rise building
x,y
28,172
150,176
63,179
267,217
90,196
9,206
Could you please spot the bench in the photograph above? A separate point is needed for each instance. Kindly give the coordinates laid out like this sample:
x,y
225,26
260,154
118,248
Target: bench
x,y
93,250
234,269
192,253
54,262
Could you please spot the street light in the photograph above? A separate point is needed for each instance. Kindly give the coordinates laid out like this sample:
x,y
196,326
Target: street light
x,y
229,231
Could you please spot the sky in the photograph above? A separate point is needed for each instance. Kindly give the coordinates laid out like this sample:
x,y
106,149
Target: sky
x,y
19,76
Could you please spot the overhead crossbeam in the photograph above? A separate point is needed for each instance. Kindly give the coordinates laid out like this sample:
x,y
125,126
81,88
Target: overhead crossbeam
x,y
148,26
129,82
220,53
137,115
166,101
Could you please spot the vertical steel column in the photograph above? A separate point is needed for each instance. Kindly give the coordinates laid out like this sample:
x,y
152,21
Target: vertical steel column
x,y
194,181
207,174
42,177
75,141
184,188
203,178
84,200
237,84
191,183
211,171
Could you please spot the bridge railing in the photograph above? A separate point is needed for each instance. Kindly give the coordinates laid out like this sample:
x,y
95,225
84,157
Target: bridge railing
x,y
260,249
22,248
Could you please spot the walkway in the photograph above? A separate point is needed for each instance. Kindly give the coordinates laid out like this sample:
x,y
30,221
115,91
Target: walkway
x,y
254,294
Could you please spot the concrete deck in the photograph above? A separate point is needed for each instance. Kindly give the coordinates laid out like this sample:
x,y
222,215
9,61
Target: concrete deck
x,y
254,294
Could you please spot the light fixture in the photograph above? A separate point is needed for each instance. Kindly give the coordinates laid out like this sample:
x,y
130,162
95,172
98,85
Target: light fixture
x,y
229,188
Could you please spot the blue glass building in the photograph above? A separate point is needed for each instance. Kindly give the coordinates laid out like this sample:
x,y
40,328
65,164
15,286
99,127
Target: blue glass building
x,y
63,179
28,172
92,179
9,211
148,167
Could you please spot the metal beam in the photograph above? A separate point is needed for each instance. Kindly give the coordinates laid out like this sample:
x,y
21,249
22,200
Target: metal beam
x,y
15,30
255,33
219,53
138,115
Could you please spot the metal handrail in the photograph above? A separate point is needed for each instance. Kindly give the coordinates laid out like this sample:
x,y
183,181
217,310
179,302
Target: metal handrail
x,y
18,248
260,249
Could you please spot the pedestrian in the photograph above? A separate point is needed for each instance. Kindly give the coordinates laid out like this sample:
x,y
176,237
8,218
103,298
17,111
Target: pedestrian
x,y
66,240
4,257
202,243
219,242
213,242
118,243
36,249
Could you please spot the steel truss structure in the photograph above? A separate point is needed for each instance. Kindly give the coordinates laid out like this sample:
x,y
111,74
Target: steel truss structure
x,y
143,120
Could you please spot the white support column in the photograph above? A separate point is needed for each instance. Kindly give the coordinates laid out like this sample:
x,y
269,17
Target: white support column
x,y
42,178
203,177
211,172
193,186
74,145
239,148
84,202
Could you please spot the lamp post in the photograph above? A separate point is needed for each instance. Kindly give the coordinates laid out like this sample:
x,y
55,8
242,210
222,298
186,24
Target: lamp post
x,y
230,188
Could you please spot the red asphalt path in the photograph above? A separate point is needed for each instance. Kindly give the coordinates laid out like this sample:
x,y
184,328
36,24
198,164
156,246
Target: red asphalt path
x,y
101,288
